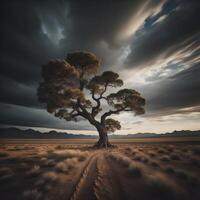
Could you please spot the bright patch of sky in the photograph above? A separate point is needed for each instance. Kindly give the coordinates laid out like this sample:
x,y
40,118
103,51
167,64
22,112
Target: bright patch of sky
x,y
54,33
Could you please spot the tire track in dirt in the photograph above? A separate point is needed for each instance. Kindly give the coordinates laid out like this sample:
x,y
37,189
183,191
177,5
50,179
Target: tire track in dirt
x,y
98,180
108,184
101,184
84,186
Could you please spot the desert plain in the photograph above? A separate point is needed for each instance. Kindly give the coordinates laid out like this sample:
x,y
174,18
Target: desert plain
x,y
136,169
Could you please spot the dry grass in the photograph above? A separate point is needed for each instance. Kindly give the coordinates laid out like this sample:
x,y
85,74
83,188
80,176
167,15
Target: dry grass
x,y
34,171
43,159
6,174
145,171
195,162
145,160
4,154
61,147
162,151
49,162
125,161
151,154
67,164
154,164
129,149
174,157
170,170
196,151
81,155
184,150
134,170
137,158
157,187
181,174
165,159
31,194
49,176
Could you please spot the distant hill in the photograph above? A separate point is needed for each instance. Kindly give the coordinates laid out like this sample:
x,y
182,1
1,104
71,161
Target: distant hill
x,y
15,133
183,133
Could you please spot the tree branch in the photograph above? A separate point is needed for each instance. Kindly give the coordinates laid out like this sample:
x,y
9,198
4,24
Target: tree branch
x,y
110,112
81,79
85,114
95,110
105,88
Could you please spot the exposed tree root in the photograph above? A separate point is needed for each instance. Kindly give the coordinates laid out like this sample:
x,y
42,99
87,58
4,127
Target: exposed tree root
x,y
103,144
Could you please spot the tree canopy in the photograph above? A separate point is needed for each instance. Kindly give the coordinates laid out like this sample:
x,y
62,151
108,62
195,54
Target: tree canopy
x,y
64,86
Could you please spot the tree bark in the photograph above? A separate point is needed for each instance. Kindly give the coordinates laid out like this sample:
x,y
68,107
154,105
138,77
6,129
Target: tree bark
x,y
103,139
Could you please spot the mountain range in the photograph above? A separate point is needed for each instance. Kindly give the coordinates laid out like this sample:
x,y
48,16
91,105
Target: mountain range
x,y
15,133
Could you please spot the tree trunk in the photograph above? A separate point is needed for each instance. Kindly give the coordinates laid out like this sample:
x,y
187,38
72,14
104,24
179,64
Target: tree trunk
x,y
103,139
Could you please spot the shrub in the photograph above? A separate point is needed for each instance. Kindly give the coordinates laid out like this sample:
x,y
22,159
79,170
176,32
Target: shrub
x,y
5,170
134,171
6,173
49,176
152,154
184,150
61,147
71,154
128,149
170,170
161,151
195,162
196,151
154,164
81,158
32,194
67,164
193,181
34,171
182,175
174,157
43,159
137,158
165,159
49,162
159,188
145,160
3,154
125,161
18,148
133,153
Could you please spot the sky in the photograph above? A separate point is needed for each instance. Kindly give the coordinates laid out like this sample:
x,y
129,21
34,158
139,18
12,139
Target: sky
x,y
154,45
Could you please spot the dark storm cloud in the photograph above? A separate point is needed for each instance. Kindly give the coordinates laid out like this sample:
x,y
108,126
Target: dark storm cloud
x,y
32,32
93,21
177,92
95,26
13,92
24,47
24,116
179,29
176,37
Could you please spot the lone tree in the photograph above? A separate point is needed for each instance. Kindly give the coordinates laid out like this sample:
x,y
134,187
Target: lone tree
x,y
64,90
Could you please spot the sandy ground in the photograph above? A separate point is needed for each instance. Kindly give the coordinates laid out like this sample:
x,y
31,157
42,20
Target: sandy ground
x,y
136,170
